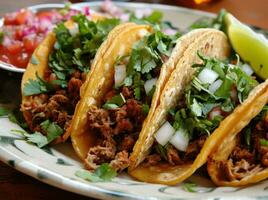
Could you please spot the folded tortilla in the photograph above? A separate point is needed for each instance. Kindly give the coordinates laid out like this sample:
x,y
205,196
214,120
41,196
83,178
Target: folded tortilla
x,y
211,43
243,172
40,66
102,79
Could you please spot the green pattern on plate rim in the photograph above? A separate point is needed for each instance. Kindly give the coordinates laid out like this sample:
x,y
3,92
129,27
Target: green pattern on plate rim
x,y
57,165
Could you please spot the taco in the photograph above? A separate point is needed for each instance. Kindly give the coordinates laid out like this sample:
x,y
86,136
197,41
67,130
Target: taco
x,y
122,92
59,66
201,92
241,158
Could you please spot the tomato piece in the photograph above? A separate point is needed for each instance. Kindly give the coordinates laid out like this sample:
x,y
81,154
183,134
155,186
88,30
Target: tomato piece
x,y
30,44
22,17
15,47
45,14
21,60
9,19
18,34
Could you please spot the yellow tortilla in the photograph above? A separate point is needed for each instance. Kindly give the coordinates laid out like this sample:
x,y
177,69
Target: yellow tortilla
x,y
212,43
99,82
102,81
41,56
229,131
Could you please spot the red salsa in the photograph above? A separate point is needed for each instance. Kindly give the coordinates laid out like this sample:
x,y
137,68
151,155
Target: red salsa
x,y
23,30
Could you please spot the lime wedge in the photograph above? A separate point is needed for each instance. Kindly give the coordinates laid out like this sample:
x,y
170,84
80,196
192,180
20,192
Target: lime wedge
x,y
252,47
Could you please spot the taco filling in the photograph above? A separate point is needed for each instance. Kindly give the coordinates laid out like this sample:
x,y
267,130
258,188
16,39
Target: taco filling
x,y
250,155
213,93
124,108
53,97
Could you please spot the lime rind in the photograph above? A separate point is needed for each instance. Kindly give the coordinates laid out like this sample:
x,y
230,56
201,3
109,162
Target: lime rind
x,y
251,46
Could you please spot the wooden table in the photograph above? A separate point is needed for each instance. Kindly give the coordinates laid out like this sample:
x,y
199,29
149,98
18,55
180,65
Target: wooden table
x,y
15,185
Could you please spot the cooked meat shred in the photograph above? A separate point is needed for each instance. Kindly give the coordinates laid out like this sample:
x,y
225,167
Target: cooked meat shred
x,y
120,125
57,106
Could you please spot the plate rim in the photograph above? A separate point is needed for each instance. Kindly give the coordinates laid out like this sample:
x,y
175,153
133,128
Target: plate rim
x,y
92,190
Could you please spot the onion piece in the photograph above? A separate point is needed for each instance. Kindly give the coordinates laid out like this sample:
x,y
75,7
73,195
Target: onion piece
x,y
215,86
247,69
180,139
207,76
164,134
148,85
74,30
120,74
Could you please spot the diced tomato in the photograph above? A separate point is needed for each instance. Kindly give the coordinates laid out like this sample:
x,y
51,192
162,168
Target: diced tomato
x,y
21,60
15,47
22,17
45,14
30,44
18,34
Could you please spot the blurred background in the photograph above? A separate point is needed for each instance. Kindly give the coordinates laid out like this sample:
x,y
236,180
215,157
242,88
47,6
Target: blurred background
x,y
249,11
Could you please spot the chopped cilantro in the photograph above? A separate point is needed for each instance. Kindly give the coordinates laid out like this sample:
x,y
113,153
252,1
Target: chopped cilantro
x,y
74,52
194,116
52,131
4,110
102,174
36,86
264,142
189,187
145,57
115,102
216,23
145,109
36,138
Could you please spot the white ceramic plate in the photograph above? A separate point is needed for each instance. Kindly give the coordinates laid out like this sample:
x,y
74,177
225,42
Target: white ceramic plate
x,y
57,165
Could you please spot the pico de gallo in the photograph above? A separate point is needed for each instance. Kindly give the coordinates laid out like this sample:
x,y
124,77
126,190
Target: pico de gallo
x,y
24,29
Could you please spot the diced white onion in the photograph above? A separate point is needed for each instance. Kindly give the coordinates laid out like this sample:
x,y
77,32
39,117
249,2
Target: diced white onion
x,y
119,74
148,85
215,86
247,69
180,140
207,76
164,134
74,30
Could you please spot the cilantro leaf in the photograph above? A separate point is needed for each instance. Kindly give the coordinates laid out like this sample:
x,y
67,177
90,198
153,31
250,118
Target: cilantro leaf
x,y
37,86
4,110
103,173
36,138
217,23
189,187
51,130
115,102
145,109
75,51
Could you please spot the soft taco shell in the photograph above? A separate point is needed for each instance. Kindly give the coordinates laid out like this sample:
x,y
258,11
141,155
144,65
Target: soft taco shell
x,y
41,56
229,132
99,82
103,79
212,43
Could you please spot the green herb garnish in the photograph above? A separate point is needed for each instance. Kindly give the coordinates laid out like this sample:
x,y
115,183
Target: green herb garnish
x,y
102,174
115,102
52,131
37,86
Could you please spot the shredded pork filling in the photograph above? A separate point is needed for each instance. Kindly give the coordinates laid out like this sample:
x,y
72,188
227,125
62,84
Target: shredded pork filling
x,y
118,130
248,160
57,106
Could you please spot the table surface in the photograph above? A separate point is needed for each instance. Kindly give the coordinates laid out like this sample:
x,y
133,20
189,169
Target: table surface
x,y
15,185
